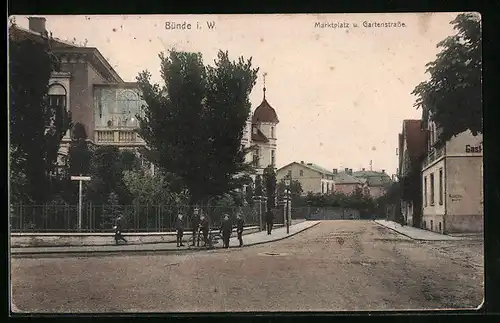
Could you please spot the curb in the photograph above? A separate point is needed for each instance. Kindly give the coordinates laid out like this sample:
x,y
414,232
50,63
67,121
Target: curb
x,y
113,252
412,238
112,239
278,239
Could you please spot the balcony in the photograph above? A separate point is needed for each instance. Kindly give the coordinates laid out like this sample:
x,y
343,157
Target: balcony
x,y
434,154
118,137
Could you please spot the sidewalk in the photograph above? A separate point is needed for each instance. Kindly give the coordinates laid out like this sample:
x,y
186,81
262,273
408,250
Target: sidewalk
x,y
415,233
248,240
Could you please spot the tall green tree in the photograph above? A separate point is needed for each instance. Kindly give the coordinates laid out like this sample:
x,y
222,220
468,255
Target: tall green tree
x,y
452,95
270,184
37,124
193,125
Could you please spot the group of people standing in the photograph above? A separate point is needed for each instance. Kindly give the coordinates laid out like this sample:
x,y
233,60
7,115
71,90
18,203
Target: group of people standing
x,y
201,225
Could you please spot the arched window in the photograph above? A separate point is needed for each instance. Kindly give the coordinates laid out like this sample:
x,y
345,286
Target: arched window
x,y
57,96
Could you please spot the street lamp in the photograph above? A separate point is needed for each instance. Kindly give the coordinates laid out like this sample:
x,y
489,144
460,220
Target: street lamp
x,y
287,196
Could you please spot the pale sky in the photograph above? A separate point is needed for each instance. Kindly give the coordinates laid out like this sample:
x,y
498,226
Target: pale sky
x,y
341,94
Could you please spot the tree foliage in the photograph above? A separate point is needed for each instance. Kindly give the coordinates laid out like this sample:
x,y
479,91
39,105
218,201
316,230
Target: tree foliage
x,y
249,194
452,95
295,190
79,154
270,183
258,187
193,125
147,189
36,126
107,176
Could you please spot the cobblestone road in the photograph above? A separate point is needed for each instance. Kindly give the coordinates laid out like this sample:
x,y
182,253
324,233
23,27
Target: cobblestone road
x,y
336,265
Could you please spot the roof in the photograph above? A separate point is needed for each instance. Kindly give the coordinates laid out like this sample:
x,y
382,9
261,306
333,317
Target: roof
x,y
63,47
264,112
415,138
318,168
259,136
373,178
311,166
345,178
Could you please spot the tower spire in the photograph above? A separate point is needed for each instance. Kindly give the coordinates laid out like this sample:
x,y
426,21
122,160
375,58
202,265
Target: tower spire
x,y
265,74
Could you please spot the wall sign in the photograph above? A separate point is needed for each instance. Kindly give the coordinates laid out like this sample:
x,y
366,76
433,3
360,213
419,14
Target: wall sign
x,y
455,197
473,149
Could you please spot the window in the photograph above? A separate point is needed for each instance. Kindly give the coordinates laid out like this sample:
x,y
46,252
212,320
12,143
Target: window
x,y
322,187
256,158
57,96
432,188
425,191
327,187
440,186
439,226
432,225
273,162
301,173
272,132
425,224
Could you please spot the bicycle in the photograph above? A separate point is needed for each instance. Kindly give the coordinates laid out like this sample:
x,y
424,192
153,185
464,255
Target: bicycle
x,y
213,239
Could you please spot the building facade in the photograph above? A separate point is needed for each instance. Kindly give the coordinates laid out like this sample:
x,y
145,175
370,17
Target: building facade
x,y
412,148
313,178
346,183
90,89
452,180
260,135
377,182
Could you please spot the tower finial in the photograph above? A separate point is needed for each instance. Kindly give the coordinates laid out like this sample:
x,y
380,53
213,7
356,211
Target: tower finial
x,y
265,74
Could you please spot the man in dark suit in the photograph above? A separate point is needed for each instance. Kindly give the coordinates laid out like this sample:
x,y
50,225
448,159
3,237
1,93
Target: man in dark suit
x,y
179,226
204,228
239,226
269,220
118,230
196,224
226,229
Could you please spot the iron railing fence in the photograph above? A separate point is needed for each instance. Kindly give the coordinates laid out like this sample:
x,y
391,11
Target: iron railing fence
x,y
100,218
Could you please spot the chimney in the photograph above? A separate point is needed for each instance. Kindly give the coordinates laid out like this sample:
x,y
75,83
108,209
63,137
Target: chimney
x,y
37,24
350,171
302,162
362,169
346,170
310,164
383,171
335,171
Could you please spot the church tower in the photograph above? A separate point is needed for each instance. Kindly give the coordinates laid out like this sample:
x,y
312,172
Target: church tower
x,y
264,138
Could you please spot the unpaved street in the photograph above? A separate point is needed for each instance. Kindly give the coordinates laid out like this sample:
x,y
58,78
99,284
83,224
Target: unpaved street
x,y
336,265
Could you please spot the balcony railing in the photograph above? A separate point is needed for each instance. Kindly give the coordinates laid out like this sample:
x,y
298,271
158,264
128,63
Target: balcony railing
x,y
433,155
118,136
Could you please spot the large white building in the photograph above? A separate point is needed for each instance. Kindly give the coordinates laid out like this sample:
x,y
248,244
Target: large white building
x,y
452,176
260,135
